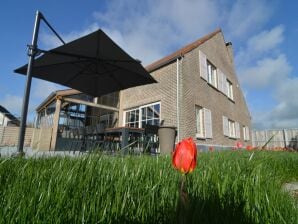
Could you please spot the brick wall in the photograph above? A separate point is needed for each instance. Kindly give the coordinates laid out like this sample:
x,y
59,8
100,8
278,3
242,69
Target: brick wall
x,y
193,90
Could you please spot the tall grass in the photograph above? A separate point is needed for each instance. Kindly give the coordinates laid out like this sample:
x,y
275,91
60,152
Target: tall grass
x,y
226,187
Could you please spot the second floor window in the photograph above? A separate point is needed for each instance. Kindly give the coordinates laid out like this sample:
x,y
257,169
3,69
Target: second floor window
x,y
212,74
230,90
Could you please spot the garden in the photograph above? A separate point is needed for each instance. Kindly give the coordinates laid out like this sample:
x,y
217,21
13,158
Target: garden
x,y
225,187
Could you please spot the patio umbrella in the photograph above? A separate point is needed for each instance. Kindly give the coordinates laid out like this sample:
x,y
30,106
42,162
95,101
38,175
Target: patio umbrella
x,y
92,64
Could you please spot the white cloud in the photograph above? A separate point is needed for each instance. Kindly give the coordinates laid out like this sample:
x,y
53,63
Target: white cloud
x,y
12,103
42,89
49,40
284,113
152,29
266,40
248,16
266,72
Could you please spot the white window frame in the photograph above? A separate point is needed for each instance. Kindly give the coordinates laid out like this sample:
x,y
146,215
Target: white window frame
x,y
229,89
204,118
231,128
139,109
212,74
246,136
200,120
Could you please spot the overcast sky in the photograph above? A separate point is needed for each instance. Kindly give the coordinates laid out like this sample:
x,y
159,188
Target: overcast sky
x,y
264,36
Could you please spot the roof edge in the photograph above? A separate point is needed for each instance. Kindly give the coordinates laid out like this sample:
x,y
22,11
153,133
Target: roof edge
x,y
181,52
53,95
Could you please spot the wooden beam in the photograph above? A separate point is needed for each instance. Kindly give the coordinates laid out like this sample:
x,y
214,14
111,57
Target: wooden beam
x,y
55,124
90,104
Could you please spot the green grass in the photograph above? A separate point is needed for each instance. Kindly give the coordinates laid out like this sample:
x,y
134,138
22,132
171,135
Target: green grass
x,y
226,187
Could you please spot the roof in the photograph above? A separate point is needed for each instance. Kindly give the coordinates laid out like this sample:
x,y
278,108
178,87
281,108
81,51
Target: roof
x,y
53,95
163,61
9,115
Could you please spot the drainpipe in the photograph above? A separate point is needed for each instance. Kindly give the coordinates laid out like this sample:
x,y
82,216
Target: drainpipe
x,y
177,97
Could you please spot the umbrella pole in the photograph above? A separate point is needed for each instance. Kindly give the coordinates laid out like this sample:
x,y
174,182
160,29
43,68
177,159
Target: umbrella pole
x,y
32,53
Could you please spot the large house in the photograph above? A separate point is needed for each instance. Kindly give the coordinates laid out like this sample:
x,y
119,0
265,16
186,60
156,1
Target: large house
x,y
197,92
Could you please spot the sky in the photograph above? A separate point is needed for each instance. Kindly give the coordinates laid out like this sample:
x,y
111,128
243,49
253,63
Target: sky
x,y
264,35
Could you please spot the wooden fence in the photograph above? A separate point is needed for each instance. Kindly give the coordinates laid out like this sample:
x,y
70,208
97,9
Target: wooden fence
x,y
279,138
9,136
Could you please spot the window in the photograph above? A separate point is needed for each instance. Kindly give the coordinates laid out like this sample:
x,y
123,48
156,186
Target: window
x,y
199,122
245,133
203,123
230,90
212,75
132,118
231,128
147,114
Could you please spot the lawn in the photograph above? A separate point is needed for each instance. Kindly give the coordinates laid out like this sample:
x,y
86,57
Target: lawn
x,y
226,187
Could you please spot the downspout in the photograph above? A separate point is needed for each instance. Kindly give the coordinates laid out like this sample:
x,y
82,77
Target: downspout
x,y
177,97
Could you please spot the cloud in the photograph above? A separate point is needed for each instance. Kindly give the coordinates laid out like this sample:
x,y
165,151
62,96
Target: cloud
x,y
259,45
246,17
12,103
267,72
49,40
152,29
266,40
42,89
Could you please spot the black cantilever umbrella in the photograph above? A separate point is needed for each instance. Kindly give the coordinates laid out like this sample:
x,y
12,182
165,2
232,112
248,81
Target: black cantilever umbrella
x,y
92,64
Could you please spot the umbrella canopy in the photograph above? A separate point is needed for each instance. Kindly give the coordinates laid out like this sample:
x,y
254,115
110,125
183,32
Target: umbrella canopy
x,y
92,64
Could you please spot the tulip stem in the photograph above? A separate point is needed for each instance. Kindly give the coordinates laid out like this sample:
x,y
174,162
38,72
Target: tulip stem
x,y
183,201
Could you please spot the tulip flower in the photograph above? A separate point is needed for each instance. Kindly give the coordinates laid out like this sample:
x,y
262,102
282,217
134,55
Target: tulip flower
x,y
249,148
239,145
185,156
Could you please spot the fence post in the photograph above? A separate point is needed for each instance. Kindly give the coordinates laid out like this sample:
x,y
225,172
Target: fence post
x,y
285,137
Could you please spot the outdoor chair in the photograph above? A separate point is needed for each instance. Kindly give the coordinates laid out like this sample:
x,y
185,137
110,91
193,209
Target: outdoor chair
x,y
89,137
77,140
150,139
99,136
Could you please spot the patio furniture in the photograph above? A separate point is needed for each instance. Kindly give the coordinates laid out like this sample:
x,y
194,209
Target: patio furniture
x,y
93,64
122,137
151,140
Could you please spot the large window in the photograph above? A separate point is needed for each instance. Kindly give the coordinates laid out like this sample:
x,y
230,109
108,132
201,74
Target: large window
x,y
147,114
203,123
212,75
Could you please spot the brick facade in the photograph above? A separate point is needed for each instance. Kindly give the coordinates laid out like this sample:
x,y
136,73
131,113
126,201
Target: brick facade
x,y
192,91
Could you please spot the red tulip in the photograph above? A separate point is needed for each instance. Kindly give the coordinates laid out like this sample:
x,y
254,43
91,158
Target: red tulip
x,y
185,156
249,148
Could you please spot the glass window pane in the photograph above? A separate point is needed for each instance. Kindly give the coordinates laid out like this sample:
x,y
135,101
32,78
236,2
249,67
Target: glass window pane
x,y
156,110
150,112
144,113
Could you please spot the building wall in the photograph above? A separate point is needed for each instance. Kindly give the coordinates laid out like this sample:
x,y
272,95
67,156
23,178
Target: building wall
x,y
193,90
197,91
164,92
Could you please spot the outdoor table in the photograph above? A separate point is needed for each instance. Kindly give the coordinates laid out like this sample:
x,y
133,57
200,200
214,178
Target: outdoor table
x,y
124,133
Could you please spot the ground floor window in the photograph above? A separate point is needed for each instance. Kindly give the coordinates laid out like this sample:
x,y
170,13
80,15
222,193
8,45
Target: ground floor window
x,y
231,128
146,114
245,133
203,122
